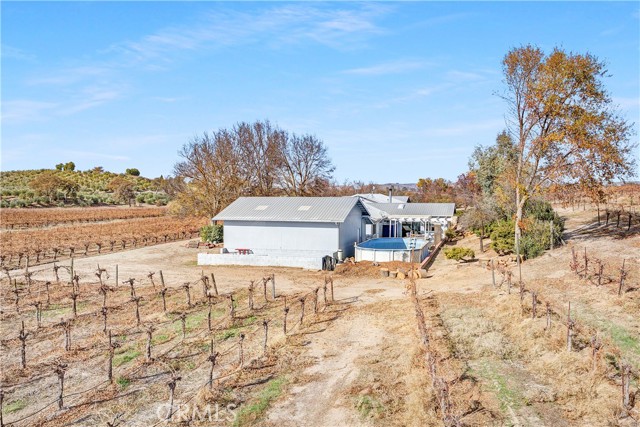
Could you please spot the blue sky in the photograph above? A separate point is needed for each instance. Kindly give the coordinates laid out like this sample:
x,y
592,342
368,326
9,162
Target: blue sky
x,y
397,91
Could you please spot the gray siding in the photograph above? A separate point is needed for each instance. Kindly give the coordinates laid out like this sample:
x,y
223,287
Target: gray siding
x,y
351,230
276,237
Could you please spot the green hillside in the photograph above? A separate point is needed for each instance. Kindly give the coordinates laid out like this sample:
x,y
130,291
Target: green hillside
x,y
59,187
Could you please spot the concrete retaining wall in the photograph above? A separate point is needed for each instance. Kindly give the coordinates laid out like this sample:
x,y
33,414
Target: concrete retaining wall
x,y
279,260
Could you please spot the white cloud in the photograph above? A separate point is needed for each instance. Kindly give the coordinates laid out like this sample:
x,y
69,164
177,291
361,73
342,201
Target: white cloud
x,y
25,110
10,52
396,67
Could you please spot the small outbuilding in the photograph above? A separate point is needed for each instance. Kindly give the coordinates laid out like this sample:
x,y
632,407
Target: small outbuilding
x,y
289,231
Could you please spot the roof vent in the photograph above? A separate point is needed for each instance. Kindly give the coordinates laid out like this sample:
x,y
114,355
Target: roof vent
x,y
304,208
261,207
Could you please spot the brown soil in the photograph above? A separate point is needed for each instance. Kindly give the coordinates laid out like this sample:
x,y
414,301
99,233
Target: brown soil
x,y
357,361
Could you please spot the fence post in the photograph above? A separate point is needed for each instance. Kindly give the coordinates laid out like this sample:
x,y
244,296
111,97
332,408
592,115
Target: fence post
x,y
72,269
161,278
1,404
264,288
551,234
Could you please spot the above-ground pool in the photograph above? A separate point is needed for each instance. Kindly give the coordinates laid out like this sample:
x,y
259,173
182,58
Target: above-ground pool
x,y
393,249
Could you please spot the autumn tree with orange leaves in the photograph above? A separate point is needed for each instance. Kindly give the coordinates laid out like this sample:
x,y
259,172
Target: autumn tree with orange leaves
x,y
563,123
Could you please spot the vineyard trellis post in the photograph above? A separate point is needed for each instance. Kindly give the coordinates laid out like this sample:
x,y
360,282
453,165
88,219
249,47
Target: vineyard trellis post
x,y
232,309
250,297
240,351
149,330
163,292
1,407
596,345
209,314
117,276
534,304
46,285
570,327
74,299
626,381
315,300
212,359
23,346
623,275
213,283
493,273
38,307
186,287
273,286
104,313
136,300
183,320
172,389
301,300
284,323
60,370
548,315
161,279
265,325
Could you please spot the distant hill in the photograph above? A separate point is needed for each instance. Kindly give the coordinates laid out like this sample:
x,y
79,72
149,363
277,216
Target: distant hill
x,y
90,187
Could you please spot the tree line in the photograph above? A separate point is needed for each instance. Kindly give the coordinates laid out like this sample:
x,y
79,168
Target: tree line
x,y
249,159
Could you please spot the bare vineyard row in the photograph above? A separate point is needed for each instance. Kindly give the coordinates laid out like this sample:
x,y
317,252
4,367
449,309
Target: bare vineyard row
x,y
31,218
31,247
225,320
534,305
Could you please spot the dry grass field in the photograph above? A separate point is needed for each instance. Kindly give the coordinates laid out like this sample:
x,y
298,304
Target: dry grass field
x,y
369,351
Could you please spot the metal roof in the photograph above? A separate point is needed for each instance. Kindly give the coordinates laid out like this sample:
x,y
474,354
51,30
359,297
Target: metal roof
x,y
290,209
404,210
381,198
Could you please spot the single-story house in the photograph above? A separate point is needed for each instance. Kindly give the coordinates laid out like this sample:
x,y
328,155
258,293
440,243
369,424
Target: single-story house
x,y
403,219
382,198
289,231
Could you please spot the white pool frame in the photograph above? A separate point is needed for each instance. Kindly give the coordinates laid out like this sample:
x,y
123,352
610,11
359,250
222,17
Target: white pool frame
x,y
388,255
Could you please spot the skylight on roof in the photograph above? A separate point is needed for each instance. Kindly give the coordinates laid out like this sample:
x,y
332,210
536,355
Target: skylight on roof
x,y
261,207
304,208
401,206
